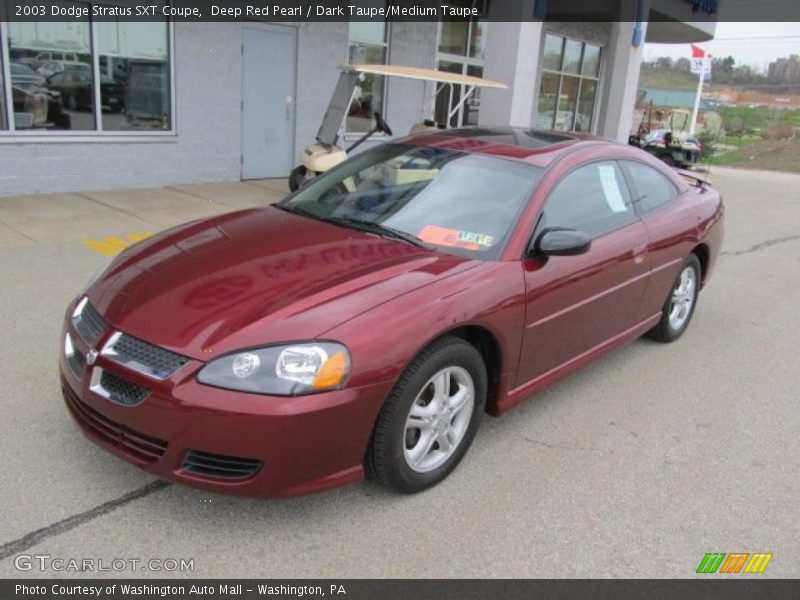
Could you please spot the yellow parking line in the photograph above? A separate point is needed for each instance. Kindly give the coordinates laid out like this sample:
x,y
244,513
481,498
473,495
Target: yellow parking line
x,y
112,245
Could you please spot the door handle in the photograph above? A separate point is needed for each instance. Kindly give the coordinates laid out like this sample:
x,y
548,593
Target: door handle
x,y
639,253
288,103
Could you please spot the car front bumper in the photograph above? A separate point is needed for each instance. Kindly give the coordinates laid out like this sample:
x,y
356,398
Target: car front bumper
x,y
263,445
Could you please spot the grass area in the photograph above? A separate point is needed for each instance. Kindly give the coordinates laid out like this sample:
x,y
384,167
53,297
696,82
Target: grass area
x,y
744,118
755,153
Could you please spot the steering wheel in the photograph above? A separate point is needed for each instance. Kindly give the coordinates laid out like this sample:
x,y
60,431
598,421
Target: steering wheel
x,y
381,124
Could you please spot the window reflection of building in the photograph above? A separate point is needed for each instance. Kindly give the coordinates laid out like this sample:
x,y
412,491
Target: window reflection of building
x,y
461,50
569,82
90,78
369,44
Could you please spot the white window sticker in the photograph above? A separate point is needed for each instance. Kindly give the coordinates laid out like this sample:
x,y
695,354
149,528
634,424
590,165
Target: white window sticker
x,y
608,179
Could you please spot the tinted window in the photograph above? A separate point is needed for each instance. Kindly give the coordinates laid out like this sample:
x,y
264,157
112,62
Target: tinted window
x,y
652,188
460,203
593,198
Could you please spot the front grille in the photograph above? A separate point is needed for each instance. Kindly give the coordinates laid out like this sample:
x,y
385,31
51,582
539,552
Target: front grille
x,y
89,324
122,391
142,357
220,467
142,447
76,362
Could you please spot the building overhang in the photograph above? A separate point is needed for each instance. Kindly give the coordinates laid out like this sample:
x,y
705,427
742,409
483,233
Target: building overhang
x,y
662,31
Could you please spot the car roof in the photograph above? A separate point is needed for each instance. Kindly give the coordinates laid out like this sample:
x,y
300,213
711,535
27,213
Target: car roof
x,y
534,146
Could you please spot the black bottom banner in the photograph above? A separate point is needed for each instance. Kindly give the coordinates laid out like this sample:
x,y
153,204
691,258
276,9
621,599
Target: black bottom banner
x,y
389,589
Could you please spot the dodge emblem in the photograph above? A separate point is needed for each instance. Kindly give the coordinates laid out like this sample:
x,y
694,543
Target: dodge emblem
x,y
91,356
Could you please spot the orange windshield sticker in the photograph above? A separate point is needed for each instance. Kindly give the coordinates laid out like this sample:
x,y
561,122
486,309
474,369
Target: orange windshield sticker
x,y
455,238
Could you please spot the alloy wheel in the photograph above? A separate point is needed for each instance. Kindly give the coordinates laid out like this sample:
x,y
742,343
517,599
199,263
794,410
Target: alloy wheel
x,y
682,298
438,419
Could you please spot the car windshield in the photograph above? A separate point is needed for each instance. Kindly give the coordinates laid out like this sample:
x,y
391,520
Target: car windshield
x,y
464,204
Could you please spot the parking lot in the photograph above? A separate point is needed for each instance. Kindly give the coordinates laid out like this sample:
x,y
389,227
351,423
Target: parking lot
x,y
634,467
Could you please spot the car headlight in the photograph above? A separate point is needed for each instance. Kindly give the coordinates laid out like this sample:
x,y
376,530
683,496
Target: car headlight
x,y
287,370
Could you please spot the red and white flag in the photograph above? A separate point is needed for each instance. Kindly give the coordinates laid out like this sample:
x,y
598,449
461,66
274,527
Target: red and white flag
x,y
701,63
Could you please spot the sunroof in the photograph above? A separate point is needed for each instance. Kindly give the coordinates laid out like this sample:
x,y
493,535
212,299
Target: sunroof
x,y
526,138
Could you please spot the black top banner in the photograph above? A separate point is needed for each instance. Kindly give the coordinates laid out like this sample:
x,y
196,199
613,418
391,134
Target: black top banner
x,y
298,11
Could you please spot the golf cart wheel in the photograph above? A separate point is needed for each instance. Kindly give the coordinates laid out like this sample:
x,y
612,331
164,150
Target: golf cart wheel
x,y
668,160
296,178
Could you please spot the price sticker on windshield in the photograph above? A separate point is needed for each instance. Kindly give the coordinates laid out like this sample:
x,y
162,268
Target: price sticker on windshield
x,y
456,238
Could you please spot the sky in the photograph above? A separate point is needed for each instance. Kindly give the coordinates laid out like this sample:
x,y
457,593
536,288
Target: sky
x,y
756,44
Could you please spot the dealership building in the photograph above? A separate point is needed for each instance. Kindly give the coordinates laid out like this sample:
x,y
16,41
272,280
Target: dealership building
x,y
90,104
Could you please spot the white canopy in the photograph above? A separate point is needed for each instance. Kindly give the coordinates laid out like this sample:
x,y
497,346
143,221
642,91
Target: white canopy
x,y
425,75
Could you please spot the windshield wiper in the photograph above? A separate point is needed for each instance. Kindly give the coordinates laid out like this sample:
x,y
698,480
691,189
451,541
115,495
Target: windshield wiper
x,y
296,210
379,229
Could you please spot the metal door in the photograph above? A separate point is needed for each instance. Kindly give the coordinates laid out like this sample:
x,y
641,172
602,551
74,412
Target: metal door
x,y
268,102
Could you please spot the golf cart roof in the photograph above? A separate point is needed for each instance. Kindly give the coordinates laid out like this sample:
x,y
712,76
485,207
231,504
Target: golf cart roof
x,y
425,75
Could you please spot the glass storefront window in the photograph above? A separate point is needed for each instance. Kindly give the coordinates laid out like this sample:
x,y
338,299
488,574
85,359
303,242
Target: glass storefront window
x,y
462,47
473,103
3,118
477,40
368,45
453,38
449,96
51,73
134,75
67,76
553,52
583,118
569,81
572,57
591,61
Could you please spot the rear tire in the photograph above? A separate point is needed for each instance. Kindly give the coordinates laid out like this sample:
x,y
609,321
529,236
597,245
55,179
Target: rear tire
x,y
430,417
681,301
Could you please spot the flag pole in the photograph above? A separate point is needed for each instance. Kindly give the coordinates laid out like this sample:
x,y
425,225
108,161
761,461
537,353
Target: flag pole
x,y
700,77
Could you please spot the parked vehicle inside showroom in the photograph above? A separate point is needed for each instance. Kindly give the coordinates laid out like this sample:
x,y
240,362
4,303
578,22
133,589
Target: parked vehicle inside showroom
x,y
35,106
74,84
366,322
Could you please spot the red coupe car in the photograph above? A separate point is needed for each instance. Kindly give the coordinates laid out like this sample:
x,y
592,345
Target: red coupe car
x,y
366,322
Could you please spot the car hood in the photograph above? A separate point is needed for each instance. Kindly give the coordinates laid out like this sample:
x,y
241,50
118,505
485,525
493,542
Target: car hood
x,y
256,277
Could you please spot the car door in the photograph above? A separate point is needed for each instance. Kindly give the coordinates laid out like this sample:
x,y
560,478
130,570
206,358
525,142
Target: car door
x,y
576,303
669,220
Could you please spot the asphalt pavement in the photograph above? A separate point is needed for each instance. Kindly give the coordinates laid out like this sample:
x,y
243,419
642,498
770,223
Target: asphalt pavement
x,y
636,466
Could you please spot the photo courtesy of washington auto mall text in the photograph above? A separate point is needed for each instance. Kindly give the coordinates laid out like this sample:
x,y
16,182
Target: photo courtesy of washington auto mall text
x,y
399,299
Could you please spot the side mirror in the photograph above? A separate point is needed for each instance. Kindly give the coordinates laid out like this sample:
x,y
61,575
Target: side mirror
x,y
561,242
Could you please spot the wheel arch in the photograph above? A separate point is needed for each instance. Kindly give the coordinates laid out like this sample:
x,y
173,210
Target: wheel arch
x,y
701,251
488,346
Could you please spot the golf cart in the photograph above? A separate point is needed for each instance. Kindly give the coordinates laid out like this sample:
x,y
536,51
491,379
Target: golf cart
x,y
670,145
325,154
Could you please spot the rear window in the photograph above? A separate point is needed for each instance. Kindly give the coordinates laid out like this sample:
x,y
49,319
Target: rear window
x,y
652,189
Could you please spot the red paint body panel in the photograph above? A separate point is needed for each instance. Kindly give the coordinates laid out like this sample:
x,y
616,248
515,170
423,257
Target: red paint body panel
x,y
263,276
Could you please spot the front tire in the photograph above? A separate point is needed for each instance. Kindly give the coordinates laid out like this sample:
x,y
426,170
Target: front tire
x,y
680,303
430,418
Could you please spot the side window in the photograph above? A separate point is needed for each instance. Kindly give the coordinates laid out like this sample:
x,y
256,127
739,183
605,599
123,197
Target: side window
x,y
653,190
593,198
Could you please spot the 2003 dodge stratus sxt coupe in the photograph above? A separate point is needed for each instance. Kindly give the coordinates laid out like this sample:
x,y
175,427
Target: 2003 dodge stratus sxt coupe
x,y
366,322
